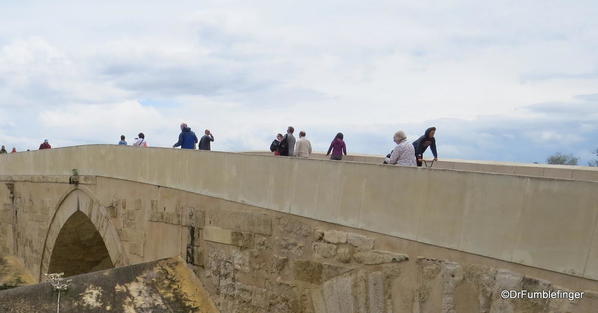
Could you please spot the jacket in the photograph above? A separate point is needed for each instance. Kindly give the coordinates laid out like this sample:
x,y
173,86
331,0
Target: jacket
x,y
403,154
187,139
423,142
303,148
338,148
204,143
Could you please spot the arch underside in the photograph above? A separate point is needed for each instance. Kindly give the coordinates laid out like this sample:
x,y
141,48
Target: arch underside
x,y
79,248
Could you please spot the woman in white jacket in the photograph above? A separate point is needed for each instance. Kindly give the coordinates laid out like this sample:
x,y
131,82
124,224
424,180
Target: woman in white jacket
x,y
404,153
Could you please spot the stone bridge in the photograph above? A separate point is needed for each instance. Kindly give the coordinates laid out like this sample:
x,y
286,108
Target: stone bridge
x,y
277,234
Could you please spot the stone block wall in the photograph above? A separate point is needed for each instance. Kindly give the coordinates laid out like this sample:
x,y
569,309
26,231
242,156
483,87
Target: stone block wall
x,y
257,260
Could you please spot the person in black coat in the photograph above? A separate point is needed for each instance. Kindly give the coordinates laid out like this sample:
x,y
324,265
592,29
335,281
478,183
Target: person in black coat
x,y
422,144
275,144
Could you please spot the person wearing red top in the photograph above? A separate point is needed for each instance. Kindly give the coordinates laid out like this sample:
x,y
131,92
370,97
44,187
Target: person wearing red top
x,y
45,145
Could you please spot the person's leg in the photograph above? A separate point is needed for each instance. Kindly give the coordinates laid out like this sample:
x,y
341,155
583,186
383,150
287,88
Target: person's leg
x,y
418,159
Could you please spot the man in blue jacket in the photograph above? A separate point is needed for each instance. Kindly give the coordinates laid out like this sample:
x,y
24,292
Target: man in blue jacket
x,y
187,138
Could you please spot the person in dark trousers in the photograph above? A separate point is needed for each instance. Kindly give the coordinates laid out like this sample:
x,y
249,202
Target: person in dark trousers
x,y
422,144
187,138
337,147
204,143
3,150
274,145
287,145
45,145
122,141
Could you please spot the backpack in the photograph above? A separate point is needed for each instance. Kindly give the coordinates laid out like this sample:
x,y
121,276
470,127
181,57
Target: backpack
x,y
283,147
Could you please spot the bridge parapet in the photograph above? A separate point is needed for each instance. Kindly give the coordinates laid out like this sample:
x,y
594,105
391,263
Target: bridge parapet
x,y
547,223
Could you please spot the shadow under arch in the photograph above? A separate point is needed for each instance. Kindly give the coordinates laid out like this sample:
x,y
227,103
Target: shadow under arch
x,y
81,237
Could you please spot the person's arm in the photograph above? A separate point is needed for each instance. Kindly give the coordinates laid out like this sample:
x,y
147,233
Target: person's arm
x,y
180,142
330,148
211,137
344,148
195,138
433,148
309,147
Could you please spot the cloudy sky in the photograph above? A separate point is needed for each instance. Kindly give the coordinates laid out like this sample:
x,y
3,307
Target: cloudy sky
x,y
502,80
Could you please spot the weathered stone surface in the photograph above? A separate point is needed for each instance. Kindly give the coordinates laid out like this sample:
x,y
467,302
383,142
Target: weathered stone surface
x,y
159,286
192,217
360,241
338,294
378,257
324,250
227,236
344,253
376,292
335,236
308,271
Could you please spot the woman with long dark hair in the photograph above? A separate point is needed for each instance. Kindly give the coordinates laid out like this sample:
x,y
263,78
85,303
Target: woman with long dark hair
x,y
337,147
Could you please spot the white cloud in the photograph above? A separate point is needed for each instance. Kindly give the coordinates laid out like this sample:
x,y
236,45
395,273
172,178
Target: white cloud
x,y
82,73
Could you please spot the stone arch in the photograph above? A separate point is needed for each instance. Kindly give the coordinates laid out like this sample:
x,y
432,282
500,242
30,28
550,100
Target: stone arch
x,y
79,211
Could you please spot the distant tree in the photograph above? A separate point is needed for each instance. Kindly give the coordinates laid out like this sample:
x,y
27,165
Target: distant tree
x,y
595,161
563,159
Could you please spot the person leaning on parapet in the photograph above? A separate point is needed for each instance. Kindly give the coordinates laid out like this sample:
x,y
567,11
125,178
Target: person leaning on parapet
x,y
287,145
3,150
204,143
122,141
140,141
422,144
404,153
14,150
275,143
187,138
45,145
303,146
337,147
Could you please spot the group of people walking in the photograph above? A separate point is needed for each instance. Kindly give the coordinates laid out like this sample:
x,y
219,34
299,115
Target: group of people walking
x,y
187,139
404,153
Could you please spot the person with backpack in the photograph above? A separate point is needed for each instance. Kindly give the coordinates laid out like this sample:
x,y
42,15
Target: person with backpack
x,y
404,152
338,148
275,144
422,144
287,145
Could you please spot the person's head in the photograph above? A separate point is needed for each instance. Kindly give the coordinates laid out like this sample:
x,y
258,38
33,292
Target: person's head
x,y
122,137
207,132
183,126
290,130
141,135
301,134
45,140
339,136
3,148
279,137
430,132
399,136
